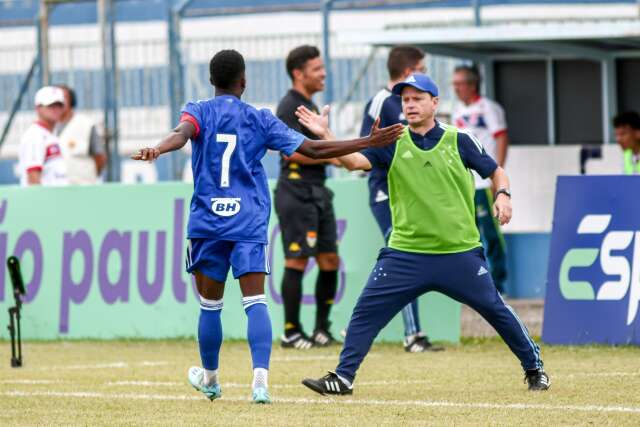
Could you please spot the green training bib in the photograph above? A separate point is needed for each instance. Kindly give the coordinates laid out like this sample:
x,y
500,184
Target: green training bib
x,y
431,195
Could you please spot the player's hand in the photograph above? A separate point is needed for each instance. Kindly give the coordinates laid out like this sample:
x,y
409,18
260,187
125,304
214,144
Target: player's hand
x,y
502,209
316,123
385,136
146,154
334,162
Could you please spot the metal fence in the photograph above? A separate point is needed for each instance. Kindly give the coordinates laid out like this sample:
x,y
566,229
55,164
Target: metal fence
x,y
143,78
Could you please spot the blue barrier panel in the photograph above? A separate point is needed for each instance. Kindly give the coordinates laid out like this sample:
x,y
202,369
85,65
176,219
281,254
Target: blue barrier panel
x,y
594,264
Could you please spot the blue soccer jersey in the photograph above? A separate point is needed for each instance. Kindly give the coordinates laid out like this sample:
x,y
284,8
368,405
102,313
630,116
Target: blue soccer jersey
x,y
231,196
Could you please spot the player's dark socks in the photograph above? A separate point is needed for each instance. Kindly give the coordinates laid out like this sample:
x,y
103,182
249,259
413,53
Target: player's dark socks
x,y
326,287
292,296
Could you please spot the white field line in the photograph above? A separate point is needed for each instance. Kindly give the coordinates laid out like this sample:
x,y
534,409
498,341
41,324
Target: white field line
x,y
334,357
338,401
601,374
247,385
112,365
146,383
148,363
137,383
303,358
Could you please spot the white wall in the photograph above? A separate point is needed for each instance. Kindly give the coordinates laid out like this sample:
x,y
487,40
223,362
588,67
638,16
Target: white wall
x,y
533,171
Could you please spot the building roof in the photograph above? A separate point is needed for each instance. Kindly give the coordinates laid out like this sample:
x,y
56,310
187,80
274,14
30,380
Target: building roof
x,y
594,39
23,12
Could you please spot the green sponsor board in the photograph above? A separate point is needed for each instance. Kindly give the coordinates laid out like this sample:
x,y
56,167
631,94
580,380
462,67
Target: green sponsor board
x,y
108,262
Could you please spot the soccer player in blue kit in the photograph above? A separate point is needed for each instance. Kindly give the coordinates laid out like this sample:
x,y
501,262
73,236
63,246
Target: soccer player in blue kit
x,y
230,208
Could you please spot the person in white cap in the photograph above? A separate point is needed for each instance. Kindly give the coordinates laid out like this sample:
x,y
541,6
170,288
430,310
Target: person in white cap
x,y
83,149
40,156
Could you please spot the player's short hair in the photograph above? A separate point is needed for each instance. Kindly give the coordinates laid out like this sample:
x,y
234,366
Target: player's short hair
x,y
628,118
226,68
472,73
73,101
403,57
298,57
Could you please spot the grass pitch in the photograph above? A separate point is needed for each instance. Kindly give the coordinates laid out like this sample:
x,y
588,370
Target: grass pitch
x,y
478,383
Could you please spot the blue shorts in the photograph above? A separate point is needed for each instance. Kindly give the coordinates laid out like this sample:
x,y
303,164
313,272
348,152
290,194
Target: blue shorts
x,y
214,257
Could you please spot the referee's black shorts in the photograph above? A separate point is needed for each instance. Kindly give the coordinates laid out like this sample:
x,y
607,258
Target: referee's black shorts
x,y
307,220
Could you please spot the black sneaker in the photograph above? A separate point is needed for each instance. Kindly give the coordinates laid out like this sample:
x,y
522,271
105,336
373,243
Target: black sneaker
x,y
420,343
322,338
537,380
298,340
329,384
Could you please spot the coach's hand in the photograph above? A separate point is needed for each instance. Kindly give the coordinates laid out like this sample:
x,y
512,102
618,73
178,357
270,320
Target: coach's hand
x,y
385,136
502,209
148,154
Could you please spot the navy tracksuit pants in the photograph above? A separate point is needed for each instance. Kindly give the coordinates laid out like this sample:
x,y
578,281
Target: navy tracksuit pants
x,y
410,314
400,277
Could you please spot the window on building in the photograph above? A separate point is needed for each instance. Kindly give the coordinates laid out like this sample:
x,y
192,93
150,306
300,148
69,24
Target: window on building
x,y
578,101
628,73
521,89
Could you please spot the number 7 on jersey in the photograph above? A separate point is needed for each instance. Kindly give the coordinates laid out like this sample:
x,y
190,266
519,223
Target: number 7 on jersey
x,y
231,140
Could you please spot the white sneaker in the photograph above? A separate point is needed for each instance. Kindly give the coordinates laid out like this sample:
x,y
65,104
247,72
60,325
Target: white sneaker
x,y
196,379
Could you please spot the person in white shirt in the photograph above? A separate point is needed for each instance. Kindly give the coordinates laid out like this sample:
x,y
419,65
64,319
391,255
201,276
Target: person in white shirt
x,y
83,151
484,119
40,155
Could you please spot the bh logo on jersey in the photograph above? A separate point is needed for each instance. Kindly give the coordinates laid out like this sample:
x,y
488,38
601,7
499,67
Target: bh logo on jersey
x,y
225,206
612,263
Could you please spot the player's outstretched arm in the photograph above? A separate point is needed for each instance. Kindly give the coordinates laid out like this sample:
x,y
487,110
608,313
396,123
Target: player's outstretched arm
x,y
377,138
502,206
172,142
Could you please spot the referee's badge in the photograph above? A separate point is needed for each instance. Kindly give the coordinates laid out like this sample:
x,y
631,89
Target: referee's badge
x,y
312,238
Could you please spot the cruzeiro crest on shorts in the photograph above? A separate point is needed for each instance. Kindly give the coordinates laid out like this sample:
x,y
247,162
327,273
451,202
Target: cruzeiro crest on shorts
x,y
312,238
225,206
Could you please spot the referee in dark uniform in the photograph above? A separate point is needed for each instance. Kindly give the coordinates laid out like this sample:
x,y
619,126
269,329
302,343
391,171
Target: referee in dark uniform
x,y
305,209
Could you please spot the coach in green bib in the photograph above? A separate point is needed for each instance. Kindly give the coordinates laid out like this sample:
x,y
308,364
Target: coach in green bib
x,y
425,218
434,243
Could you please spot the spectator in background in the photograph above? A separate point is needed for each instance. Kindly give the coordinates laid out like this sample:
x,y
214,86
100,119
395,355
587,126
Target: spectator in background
x,y
484,119
305,209
83,150
40,160
627,129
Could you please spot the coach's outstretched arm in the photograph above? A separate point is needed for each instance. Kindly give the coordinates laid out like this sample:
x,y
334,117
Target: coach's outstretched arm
x,y
326,149
172,142
502,206
319,125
